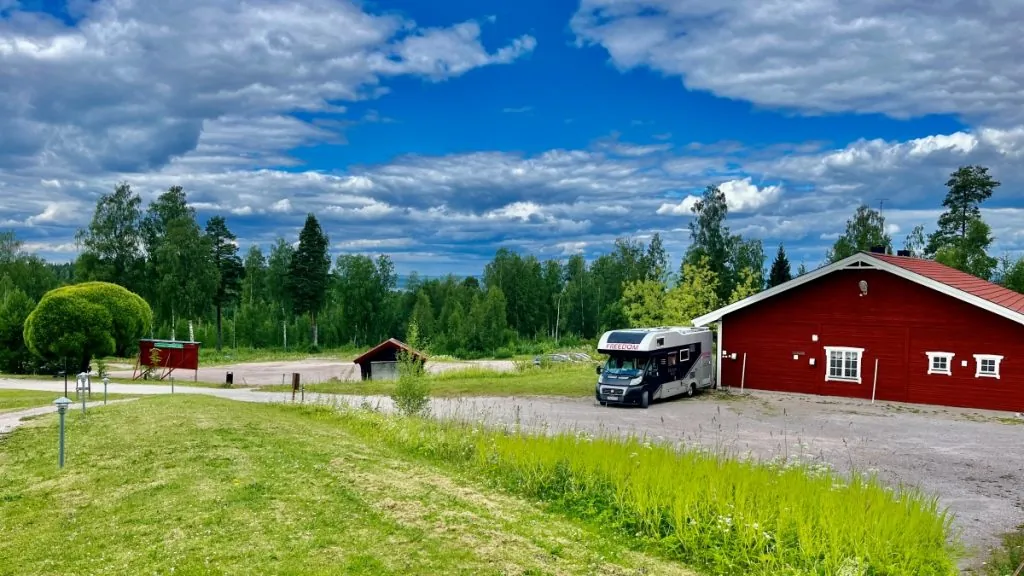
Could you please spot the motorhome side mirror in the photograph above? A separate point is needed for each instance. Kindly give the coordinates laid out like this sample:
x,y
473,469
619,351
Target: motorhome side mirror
x,y
598,368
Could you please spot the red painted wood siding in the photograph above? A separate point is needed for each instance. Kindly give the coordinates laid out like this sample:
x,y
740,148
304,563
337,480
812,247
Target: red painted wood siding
x,y
896,323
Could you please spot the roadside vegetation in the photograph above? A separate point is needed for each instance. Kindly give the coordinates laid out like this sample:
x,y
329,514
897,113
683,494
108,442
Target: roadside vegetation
x,y
719,515
234,484
1009,558
570,380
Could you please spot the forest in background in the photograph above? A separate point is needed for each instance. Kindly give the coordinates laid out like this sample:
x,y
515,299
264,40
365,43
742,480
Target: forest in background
x,y
295,296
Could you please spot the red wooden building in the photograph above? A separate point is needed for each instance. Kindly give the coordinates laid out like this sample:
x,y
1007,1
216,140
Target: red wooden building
x,y
936,335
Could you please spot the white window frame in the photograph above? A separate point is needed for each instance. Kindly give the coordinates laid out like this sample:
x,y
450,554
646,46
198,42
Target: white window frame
x,y
933,356
843,350
684,351
978,360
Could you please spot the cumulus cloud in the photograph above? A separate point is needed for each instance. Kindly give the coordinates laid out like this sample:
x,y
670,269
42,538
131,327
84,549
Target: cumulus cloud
x,y
122,90
904,58
565,201
740,196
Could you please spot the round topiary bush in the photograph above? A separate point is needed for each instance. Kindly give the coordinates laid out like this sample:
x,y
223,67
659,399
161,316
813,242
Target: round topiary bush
x,y
131,315
84,321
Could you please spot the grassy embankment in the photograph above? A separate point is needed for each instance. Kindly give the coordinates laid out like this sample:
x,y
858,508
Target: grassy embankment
x,y
12,400
571,380
203,485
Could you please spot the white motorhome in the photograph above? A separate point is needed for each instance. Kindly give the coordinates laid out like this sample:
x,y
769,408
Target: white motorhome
x,y
646,364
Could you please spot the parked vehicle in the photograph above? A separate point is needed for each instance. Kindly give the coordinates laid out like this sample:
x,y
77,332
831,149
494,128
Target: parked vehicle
x,y
647,364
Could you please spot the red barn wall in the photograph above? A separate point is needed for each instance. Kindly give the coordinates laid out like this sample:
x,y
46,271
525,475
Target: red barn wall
x,y
895,323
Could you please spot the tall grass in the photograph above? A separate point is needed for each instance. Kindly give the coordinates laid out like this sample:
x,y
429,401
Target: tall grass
x,y
1010,557
722,515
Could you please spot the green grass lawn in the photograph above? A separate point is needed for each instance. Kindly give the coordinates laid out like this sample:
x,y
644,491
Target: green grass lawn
x,y
198,485
560,380
12,400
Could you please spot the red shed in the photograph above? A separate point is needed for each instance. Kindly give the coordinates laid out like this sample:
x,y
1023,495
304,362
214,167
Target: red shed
x,y
873,325
381,361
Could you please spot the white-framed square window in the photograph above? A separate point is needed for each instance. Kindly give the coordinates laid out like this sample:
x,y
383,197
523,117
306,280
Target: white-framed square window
x,y
684,354
843,363
987,365
940,363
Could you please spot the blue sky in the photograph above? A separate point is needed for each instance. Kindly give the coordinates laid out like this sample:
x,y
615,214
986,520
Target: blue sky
x,y
437,132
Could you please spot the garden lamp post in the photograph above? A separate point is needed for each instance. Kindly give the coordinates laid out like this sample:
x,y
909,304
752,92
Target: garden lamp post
x,y
62,407
106,381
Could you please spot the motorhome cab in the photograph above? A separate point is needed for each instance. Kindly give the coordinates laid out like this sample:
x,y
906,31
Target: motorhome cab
x,y
646,364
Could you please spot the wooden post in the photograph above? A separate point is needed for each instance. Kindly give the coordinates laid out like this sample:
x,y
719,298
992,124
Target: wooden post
x,y
743,373
874,383
295,384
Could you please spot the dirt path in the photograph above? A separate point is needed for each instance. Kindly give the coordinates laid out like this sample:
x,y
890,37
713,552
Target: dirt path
x,y
972,460
312,371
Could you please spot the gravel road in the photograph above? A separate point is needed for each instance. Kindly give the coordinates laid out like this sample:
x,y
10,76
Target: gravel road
x,y
312,371
972,460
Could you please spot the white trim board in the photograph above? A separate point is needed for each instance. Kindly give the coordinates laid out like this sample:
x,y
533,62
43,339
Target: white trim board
x,y
862,261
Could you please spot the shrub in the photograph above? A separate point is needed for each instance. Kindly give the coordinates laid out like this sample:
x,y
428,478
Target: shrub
x,y
503,353
86,320
66,325
131,316
412,393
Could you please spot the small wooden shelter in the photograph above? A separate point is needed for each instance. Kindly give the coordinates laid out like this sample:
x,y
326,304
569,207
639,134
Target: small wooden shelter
x,y
381,361
160,358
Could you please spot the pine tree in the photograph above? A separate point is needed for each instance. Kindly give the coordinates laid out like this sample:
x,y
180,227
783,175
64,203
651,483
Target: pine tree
x,y
968,187
308,272
780,272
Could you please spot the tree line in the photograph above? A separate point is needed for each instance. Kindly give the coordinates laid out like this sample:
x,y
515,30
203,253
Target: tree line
x,y
198,283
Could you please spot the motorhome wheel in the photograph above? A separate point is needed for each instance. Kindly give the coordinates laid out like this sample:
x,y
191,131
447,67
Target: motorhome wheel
x,y
691,391
645,399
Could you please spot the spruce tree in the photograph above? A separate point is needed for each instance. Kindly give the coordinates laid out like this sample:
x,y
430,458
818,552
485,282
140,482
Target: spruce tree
x,y
780,272
308,273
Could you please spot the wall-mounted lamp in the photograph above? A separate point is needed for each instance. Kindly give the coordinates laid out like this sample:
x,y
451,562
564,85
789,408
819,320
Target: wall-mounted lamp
x,y
814,337
863,285
812,361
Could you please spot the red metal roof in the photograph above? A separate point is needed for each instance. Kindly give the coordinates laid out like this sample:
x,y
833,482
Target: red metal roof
x,y
389,343
954,278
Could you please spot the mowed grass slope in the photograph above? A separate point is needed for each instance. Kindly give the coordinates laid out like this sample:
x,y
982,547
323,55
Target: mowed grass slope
x,y
197,485
572,380
14,400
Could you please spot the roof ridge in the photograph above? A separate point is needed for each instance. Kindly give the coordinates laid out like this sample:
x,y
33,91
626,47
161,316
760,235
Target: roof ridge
x,y
985,284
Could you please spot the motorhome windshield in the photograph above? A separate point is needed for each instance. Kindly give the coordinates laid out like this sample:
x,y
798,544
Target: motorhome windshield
x,y
625,365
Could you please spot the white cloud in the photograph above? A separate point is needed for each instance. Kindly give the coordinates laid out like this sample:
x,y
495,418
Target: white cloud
x,y
904,59
561,201
54,213
740,196
282,206
119,91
